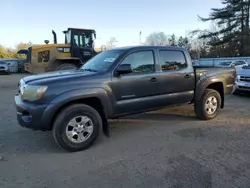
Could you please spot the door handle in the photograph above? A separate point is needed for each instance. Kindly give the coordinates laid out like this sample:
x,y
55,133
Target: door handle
x,y
152,79
187,76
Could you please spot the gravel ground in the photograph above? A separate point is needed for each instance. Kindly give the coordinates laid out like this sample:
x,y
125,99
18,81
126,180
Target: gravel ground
x,y
166,148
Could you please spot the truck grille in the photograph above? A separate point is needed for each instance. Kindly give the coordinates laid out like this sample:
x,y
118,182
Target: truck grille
x,y
245,78
244,87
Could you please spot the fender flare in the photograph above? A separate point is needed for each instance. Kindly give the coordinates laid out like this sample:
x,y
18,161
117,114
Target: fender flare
x,y
68,97
205,83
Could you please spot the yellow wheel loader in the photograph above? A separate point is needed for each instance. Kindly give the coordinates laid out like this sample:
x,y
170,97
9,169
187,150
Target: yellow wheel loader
x,y
78,48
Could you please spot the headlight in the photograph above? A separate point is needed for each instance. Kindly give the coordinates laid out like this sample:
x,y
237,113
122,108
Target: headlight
x,y
238,78
63,49
32,92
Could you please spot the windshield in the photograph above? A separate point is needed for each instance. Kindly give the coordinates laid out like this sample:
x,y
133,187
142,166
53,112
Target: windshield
x,y
227,63
102,61
240,62
246,67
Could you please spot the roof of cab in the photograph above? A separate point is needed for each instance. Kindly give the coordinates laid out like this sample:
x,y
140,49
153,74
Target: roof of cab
x,y
79,29
148,47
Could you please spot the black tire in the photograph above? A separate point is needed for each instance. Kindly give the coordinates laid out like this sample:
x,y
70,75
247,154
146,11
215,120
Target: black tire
x,y
199,106
66,66
62,120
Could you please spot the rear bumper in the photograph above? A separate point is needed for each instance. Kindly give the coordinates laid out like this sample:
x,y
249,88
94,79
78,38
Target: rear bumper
x,y
32,116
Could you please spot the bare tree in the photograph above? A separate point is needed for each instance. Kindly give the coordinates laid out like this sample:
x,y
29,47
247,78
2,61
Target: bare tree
x,y
22,45
157,39
111,43
172,40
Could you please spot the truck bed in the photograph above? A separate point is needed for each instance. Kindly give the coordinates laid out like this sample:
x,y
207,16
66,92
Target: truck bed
x,y
226,74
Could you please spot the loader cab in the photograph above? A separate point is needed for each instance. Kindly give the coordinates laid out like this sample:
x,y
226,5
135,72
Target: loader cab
x,y
82,42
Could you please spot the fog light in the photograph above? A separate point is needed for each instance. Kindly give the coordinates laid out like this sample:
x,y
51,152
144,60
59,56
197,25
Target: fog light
x,y
26,116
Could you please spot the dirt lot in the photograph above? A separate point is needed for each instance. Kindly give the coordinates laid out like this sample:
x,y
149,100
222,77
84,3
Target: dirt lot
x,y
167,148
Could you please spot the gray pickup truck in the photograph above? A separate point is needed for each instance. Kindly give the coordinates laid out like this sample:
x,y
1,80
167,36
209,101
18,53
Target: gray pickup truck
x,y
76,104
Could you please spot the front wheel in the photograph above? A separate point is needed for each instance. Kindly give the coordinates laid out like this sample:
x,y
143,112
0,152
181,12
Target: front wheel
x,y
77,127
209,105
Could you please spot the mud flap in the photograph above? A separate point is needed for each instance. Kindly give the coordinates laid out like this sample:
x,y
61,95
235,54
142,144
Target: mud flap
x,y
234,89
105,127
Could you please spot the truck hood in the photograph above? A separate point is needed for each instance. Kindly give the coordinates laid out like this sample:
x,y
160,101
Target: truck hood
x,y
56,75
243,72
4,65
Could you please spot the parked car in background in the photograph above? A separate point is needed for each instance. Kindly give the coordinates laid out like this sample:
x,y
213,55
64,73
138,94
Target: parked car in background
x,y
4,68
12,64
238,64
242,83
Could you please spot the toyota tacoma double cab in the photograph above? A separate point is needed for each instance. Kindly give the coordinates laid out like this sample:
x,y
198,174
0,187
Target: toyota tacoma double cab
x,y
76,104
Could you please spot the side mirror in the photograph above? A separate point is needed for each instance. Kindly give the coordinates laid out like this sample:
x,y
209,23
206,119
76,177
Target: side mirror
x,y
124,69
46,41
244,67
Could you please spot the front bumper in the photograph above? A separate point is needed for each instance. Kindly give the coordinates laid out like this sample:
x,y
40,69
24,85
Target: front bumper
x,y
242,86
32,116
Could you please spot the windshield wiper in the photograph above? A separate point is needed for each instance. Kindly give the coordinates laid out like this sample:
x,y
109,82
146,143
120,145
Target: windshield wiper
x,y
91,70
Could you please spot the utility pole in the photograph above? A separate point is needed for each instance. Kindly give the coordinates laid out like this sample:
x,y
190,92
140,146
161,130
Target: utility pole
x,y
140,38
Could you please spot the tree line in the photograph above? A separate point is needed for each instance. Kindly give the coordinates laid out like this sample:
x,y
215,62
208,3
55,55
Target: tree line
x,y
6,53
230,34
227,36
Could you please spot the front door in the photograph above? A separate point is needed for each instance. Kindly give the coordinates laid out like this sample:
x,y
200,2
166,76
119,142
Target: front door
x,y
136,91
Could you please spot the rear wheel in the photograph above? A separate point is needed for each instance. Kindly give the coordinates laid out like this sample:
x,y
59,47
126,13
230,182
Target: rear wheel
x,y
77,127
209,105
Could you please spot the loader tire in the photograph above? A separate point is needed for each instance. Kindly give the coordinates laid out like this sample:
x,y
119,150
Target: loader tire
x,y
66,66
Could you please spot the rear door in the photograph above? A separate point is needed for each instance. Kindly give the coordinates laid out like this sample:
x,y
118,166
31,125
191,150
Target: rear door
x,y
177,77
137,91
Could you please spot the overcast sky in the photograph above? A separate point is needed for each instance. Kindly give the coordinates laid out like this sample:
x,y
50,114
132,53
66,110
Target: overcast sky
x,y
33,20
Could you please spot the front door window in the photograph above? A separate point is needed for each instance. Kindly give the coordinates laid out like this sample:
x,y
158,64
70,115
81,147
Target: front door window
x,y
141,62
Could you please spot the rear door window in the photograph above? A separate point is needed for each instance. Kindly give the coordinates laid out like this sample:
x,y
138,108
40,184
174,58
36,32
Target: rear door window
x,y
172,60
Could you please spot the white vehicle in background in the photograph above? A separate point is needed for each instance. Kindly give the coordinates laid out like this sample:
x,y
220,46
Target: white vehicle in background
x,y
4,68
238,64
242,82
